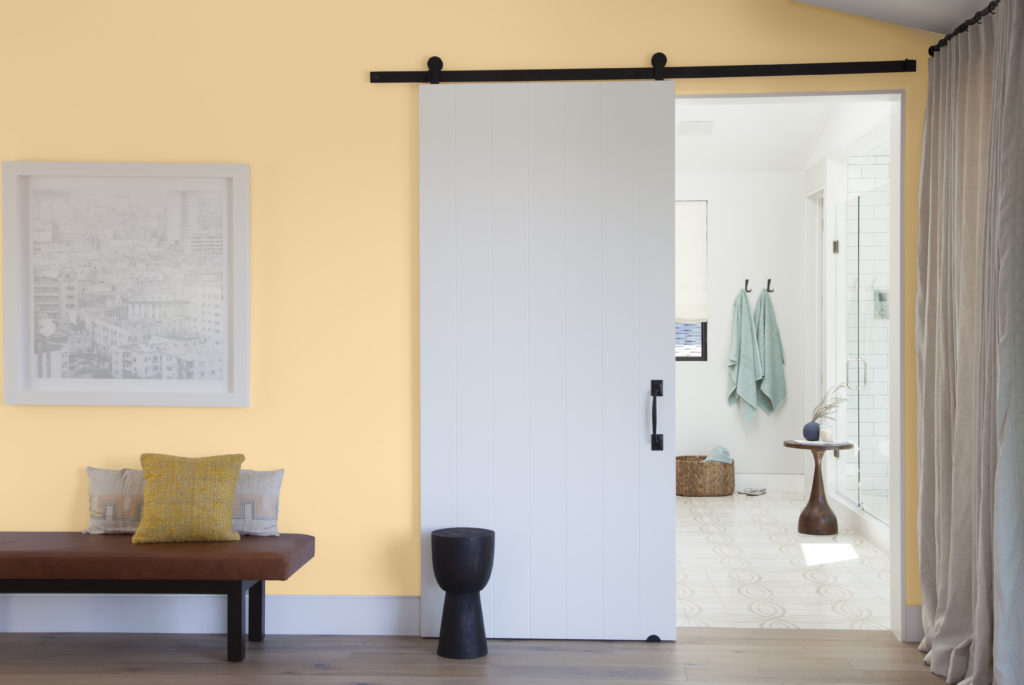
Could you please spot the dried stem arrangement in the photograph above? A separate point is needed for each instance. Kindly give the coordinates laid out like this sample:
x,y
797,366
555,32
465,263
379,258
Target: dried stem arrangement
x,y
826,408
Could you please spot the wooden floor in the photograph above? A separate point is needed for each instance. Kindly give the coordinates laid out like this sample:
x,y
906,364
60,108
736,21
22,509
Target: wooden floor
x,y
701,655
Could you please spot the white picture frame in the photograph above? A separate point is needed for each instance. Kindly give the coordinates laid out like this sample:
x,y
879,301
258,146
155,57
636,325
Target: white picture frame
x,y
126,284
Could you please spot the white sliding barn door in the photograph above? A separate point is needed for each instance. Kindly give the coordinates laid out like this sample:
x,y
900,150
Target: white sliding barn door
x,y
546,309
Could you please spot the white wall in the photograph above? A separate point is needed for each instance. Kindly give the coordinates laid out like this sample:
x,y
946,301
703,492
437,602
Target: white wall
x,y
755,231
848,122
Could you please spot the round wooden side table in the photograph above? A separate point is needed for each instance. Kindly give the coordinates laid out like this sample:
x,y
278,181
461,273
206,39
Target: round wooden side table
x,y
817,517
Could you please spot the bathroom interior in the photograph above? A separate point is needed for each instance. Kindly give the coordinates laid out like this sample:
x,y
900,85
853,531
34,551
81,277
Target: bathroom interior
x,y
804,190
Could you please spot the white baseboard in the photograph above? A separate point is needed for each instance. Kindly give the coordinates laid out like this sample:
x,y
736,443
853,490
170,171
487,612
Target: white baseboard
x,y
772,482
873,530
913,627
286,614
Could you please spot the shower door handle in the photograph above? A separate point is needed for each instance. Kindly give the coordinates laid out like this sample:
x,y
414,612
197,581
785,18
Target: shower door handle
x,y
657,439
863,378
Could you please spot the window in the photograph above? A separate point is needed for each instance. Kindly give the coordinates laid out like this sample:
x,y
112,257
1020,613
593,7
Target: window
x,y
691,341
692,281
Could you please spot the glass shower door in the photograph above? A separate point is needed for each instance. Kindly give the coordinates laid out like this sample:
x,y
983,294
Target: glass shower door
x,y
862,338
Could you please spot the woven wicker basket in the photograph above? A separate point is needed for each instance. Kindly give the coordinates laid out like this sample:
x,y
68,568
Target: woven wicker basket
x,y
698,478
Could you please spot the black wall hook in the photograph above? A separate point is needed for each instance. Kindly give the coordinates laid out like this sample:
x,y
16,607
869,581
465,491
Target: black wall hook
x,y
770,286
746,285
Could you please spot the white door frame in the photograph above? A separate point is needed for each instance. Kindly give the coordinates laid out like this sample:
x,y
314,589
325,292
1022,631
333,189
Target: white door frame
x,y
905,621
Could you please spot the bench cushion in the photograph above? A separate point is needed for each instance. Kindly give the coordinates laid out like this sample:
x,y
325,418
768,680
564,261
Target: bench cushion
x,y
75,556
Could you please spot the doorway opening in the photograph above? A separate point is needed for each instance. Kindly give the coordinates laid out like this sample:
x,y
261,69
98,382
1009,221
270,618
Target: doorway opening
x,y
804,190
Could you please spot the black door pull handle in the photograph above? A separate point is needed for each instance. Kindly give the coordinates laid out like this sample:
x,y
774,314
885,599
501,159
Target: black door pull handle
x,y
657,439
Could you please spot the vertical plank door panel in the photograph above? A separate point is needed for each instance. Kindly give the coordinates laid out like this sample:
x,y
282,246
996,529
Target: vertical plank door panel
x,y
510,579
655,113
623,401
546,242
474,442
547,360
584,343
437,333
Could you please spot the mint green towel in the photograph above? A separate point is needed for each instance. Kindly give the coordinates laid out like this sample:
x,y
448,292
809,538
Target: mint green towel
x,y
744,360
771,389
719,453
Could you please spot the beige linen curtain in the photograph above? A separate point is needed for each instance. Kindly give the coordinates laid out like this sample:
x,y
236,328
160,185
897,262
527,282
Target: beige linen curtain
x,y
970,354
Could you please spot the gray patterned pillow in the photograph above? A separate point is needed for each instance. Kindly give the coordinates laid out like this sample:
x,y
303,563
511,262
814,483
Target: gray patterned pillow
x,y
254,511
115,501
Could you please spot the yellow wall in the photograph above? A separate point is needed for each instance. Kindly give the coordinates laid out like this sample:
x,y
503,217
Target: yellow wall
x,y
283,87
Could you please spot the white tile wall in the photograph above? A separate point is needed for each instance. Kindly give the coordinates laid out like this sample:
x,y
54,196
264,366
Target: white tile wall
x,y
868,172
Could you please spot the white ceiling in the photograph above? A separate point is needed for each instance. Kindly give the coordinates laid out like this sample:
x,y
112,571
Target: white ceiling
x,y
762,134
777,133
941,16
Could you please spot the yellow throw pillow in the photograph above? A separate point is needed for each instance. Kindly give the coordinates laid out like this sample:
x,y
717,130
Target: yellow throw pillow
x,y
188,500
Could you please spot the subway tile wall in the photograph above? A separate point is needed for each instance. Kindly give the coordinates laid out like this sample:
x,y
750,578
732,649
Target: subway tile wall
x,y
867,321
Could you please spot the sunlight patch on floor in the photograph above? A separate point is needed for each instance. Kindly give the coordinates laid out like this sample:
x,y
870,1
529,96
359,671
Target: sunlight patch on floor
x,y
817,554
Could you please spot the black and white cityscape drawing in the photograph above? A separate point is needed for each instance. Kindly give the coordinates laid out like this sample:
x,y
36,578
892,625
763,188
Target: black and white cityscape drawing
x,y
129,283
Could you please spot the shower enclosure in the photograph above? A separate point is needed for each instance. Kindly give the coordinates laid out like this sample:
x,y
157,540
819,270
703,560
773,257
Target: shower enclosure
x,y
863,350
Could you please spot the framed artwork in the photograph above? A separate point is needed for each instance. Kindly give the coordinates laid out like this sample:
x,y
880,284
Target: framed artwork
x,y
126,284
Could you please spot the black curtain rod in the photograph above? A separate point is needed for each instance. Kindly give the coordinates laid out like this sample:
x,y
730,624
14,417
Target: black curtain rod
x,y
657,71
989,9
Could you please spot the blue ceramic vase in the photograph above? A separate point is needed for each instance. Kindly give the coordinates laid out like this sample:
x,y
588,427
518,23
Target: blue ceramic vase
x,y
811,430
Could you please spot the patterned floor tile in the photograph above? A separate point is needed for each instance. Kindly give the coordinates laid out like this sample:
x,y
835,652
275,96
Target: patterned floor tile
x,y
741,564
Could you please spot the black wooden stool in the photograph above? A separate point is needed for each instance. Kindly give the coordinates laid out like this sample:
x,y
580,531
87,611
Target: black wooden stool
x,y
463,558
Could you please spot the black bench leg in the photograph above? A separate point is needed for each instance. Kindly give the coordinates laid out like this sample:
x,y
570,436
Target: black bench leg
x,y
257,617
236,621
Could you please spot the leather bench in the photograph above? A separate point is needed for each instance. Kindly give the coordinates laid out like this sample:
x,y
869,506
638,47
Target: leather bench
x,y
79,563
